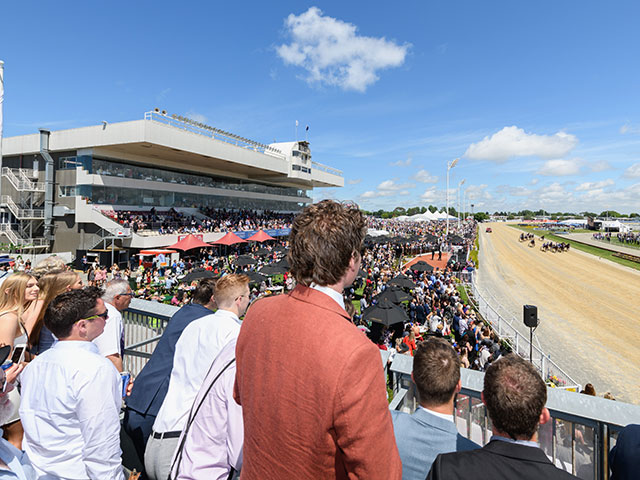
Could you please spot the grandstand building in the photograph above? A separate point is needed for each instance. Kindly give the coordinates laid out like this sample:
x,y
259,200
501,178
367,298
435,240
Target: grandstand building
x,y
60,189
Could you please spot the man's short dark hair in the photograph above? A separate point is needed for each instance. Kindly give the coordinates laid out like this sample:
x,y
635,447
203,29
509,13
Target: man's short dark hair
x,y
324,238
69,307
436,371
514,395
204,291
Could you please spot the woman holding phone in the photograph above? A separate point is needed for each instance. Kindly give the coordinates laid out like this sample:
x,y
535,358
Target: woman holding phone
x,y
17,293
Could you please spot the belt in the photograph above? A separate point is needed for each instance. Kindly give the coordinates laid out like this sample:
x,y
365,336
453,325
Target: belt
x,y
158,435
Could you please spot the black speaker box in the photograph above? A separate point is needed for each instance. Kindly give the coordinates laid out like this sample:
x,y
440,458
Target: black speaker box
x,y
530,314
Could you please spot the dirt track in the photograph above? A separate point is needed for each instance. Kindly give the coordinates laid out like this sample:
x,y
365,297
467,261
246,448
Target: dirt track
x,y
590,317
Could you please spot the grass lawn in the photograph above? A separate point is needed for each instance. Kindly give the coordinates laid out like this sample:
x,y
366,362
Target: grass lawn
x,y
599,252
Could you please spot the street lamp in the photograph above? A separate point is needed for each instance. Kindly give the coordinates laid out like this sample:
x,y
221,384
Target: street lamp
x,y
459,188
450,165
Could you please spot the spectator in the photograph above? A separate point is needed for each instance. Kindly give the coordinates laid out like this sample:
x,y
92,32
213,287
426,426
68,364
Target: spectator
x,y
117,297
624,458
199,344
150,388
71,395
431,429
515,397
328,416
211,444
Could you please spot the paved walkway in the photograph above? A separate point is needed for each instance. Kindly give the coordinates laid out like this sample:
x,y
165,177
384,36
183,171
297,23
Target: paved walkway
x,y
587,237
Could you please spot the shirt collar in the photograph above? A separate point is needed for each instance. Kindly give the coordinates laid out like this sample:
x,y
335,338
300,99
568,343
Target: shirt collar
x,y
330,292
527,443
444,416
227,313
64,344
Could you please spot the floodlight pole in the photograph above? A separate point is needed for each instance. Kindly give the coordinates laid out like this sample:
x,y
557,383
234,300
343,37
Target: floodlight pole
x,y
450,165
459,188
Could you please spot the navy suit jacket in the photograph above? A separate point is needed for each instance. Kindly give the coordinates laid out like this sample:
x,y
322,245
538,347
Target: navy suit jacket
x,y
421,437
150,387
624,458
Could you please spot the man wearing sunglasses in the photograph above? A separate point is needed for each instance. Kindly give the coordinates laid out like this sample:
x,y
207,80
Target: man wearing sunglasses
x,y
117,297
71,395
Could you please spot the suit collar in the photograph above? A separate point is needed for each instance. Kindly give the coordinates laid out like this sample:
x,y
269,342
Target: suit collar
x,y
423,416
520,452
317,298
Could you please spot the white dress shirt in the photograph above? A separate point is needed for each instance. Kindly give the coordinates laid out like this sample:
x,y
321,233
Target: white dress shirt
x,y
339,299
110,341
70,406
196,349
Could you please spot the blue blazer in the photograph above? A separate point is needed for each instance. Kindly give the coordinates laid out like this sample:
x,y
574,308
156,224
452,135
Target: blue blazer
x,y
624,458
421,437
150,387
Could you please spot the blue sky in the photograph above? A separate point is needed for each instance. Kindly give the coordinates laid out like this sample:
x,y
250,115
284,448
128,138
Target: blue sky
x,y
539,100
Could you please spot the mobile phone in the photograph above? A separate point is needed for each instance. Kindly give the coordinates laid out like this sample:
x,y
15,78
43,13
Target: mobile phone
x,y
18,353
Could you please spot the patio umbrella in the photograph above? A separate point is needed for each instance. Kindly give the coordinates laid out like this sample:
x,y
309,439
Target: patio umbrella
x,y
254,277
456,239
197,275
402,281
263,251
283,262
430,238
260,236
395,294
385,312
189,242
361,273
421,267
272,270
244,260
229,239
280,249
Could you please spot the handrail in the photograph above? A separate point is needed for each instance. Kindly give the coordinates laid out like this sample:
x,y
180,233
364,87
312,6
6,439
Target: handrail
x,y
22,213
19,241
24,184
326,168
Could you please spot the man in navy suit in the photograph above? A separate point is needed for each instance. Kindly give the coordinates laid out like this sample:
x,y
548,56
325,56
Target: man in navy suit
x,y
151,385
431,429
515,397
624,458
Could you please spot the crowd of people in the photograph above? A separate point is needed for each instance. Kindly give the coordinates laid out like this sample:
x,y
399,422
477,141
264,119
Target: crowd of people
x,y
626,238
238,385
171,221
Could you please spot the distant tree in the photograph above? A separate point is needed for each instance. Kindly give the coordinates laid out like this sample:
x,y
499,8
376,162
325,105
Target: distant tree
x,y
634,215
413,211
452,212
433,208
510,217
480,217
610,213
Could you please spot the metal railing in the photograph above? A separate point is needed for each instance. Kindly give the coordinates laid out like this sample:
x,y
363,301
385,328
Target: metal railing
x,y
213,133
23,184
327,169
22,213
519,343
19,241
577,439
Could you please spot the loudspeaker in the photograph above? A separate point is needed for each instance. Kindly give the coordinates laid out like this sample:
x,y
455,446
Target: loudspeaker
x,y
530,313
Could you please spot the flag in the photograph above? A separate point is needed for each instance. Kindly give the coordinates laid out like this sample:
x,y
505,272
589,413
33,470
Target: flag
x,y
307,129
1,102
296,123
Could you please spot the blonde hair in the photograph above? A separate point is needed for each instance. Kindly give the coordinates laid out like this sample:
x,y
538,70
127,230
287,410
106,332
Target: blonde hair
x,y
51,285
12,294
228,288
49,265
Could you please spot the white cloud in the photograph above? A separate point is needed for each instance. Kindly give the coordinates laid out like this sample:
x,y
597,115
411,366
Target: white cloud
x,y
424,176
534,181
332,52
600,166
195,116
401,163
430,195
559,167
628,128
586,186
515,142
633,171
355,181
392,186
388,188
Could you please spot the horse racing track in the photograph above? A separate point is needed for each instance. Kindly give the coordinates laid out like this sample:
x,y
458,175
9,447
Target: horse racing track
x,y
588,307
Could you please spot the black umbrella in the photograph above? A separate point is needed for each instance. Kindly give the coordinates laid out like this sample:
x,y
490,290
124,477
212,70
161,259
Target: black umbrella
x,y
196,275
263,251
361,273
402,281
395,294
456,239
254,277
283,263
244,260
280,249
272,270
421,267
430,238
385,312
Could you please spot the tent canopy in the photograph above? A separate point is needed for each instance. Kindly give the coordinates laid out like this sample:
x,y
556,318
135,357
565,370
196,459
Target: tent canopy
x,y
189,242
260,236
229,239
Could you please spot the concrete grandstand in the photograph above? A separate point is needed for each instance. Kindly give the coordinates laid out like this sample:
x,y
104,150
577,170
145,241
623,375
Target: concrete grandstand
x,y
60,189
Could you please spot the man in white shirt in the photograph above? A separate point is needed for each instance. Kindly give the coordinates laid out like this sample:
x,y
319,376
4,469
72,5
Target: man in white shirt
x,y
198,346
117,297
71,396
431,429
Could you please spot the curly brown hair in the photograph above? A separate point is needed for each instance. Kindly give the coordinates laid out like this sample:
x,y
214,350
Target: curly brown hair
x,y
324,238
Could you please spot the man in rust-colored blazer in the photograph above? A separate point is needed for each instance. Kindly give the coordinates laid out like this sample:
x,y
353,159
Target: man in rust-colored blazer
x,y
311,385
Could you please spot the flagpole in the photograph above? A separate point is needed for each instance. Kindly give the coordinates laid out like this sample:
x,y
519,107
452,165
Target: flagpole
x,y
296,130
1,106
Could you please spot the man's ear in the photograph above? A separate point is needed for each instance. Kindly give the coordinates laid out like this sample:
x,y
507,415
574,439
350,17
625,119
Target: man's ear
x,y
459,386
545,416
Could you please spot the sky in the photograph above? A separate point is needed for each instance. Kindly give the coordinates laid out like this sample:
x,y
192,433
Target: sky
x,y
540,101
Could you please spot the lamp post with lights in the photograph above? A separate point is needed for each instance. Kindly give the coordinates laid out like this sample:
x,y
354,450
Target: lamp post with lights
x,y
450,165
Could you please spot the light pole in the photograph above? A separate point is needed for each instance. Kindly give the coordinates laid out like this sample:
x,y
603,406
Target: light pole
x,y
459,188
450,165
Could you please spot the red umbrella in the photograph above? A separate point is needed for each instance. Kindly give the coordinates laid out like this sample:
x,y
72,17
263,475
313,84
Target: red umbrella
x,y
260,236
189,242
229,239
